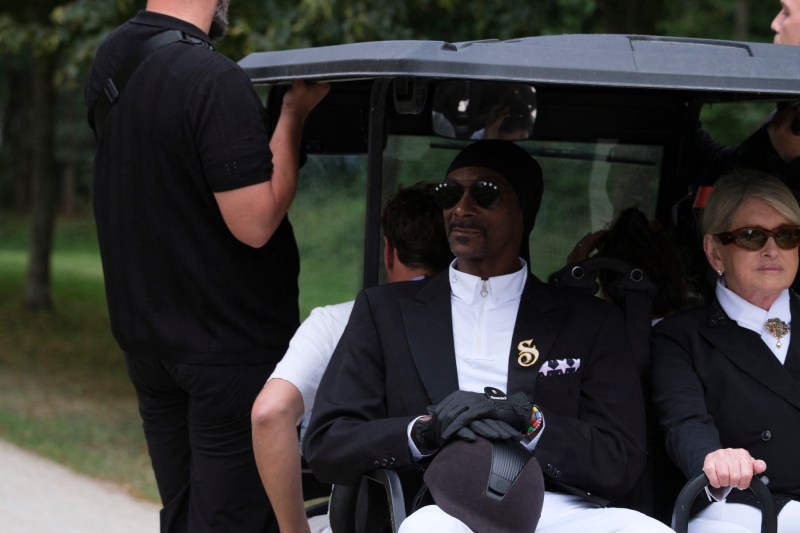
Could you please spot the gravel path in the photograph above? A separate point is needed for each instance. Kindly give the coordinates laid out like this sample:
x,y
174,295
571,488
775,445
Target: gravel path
x,y
40,496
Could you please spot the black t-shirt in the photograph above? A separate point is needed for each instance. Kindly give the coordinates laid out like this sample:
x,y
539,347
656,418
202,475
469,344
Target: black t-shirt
x,y
179,285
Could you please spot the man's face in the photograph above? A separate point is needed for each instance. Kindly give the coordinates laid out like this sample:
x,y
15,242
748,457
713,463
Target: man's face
x,y
786,23
219,24
485,240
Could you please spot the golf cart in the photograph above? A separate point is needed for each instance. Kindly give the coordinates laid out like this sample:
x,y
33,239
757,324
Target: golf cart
x,y
612,119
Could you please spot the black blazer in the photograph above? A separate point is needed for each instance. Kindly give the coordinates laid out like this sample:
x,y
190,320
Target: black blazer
x,y
716,385
396,357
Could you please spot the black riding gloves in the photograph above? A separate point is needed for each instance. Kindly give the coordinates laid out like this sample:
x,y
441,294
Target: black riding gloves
x,y
489,429
463,415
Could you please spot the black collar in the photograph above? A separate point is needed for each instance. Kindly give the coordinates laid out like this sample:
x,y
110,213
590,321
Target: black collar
x,y
159,20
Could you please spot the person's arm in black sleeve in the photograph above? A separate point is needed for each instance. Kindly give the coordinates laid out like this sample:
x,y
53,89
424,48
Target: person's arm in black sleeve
x,y
679,397
601,448
350,431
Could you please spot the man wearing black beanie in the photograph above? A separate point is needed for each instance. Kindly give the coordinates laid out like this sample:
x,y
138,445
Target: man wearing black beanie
x,y
423,365
516,166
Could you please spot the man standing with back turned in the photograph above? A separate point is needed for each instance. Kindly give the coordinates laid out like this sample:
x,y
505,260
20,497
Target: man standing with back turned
x,y
199,259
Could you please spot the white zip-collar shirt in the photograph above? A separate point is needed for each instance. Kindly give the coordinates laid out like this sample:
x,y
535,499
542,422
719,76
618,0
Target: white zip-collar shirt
x,y
484,314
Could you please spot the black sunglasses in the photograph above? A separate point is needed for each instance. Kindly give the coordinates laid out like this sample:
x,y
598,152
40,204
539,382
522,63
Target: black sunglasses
x,y
484,193
786,237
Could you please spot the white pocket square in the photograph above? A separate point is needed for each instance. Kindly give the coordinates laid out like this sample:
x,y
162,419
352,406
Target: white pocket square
x,y
556,367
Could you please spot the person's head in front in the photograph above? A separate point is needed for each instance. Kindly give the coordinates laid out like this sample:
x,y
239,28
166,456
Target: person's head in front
x,y
751,229
786,23
490,197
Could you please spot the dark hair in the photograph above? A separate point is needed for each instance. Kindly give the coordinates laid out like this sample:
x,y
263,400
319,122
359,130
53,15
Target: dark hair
x,y
414,224
648,246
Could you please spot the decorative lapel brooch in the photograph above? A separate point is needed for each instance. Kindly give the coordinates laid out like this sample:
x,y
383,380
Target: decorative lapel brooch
x,y
777,328
528,354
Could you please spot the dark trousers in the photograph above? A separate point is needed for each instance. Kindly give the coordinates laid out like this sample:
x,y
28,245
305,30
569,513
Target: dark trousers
x,y
196,420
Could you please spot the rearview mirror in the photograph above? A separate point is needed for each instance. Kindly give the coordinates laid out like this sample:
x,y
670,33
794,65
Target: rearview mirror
x,y
468,109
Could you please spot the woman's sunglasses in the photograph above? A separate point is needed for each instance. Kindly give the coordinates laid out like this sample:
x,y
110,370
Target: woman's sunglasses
x,y
786,237
484,193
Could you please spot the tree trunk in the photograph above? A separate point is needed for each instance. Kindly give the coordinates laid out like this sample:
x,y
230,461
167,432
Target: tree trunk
x,y
742,20
44,186
69,200
630,16
17,135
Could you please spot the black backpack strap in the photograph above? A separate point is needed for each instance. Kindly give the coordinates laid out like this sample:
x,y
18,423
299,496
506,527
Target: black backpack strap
x,y
113,86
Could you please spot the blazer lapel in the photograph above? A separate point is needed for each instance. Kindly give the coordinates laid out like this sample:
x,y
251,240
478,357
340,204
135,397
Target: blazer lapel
x,y
533,338
429,329
741,347
792,363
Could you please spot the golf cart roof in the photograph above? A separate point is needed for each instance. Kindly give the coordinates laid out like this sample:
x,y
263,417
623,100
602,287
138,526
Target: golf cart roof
x,y
613,61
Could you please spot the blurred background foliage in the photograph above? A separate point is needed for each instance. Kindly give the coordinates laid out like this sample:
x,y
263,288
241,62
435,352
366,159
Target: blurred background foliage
x,y
46,47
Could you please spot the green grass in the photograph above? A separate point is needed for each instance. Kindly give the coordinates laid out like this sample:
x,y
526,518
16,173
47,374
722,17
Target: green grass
x,y
330,238
64,393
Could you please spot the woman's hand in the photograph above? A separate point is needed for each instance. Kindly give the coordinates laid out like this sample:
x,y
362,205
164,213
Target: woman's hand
x,y
732,467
